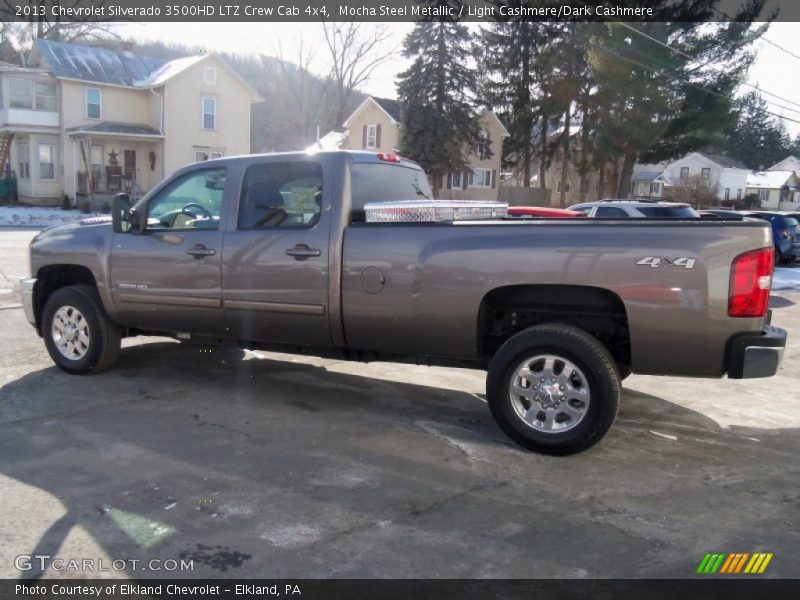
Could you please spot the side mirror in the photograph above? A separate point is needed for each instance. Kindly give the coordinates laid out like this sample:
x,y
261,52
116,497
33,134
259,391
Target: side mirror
x,y
121,213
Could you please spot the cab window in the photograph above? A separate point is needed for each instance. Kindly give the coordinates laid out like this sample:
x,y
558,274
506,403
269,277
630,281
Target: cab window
x,y
192,202
281,194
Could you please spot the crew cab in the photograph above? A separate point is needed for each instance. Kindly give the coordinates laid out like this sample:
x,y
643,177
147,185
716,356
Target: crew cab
x,y
279,251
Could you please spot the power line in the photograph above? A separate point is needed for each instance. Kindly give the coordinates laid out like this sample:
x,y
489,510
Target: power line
x,y
779,47
685,55
660,72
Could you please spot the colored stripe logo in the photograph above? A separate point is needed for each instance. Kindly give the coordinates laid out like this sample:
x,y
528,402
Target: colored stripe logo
x,y
737,562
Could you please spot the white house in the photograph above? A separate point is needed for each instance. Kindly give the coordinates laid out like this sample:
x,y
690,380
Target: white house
x,y
723,177
790,163
776,189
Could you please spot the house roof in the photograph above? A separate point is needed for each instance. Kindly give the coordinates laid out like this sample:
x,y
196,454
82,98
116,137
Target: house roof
x,y
116,128
87,63
791,163
99,65
394,105
769,179
646,175
332,140
724,161
391,107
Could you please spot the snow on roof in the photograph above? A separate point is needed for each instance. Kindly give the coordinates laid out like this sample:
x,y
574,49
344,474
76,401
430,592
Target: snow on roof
x,y
330,141
769,179
790,163
646,176
168,71
87,63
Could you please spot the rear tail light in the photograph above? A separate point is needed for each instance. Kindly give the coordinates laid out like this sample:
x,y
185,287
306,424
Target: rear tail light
x,y
388,157
751,278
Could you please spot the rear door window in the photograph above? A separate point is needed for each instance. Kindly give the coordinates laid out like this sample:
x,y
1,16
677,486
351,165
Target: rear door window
x,y
281,194
675,212
379,182
612,212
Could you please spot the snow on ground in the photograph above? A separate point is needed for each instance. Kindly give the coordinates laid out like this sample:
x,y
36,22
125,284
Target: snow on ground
x,y
37,216
786,279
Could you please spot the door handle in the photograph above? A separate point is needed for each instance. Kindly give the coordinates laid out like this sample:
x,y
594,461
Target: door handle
x,y
199,251
301,251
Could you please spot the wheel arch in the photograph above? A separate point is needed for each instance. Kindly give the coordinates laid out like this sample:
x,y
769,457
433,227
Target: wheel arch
x,y
507,310
50,278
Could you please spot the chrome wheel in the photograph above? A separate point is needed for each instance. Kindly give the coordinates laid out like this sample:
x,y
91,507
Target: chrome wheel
x,y
549,393
70,332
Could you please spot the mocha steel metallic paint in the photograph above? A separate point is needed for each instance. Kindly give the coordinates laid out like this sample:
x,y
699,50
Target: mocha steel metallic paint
x,y
425,284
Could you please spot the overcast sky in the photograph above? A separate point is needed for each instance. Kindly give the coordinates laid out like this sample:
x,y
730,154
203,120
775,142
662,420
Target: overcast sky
x,y
775,71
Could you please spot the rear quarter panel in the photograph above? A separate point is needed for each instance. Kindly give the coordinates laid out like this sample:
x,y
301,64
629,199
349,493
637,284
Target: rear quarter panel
x,y
436,276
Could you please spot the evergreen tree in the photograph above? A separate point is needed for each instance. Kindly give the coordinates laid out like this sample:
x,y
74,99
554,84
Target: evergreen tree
x,y
438,92
666,101
512,51
756,137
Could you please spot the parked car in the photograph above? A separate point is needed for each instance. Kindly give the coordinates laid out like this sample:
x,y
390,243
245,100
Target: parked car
x,y
636,209
720,213
785,233
264,252
544,212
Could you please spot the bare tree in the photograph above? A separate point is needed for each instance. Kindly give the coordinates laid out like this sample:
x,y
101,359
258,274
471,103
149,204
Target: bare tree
x,y
355,51
16,36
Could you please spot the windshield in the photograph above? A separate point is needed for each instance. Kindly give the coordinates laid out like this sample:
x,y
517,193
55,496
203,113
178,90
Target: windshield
x,y
377,182
791,222
680,212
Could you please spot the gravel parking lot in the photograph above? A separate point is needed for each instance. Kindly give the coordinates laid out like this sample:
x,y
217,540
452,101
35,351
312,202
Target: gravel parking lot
x,y
260,464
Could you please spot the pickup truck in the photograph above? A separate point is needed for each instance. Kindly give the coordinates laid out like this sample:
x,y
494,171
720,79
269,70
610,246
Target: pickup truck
x,y
274,251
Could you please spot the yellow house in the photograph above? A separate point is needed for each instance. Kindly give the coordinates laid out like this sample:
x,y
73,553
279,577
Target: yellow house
x,y
91,122
375,126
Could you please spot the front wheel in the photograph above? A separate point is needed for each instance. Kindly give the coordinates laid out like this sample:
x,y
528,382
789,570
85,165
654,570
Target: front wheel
x,y
77,332
553,389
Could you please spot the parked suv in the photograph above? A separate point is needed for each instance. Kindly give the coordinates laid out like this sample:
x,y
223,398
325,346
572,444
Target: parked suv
x,y
624,209
785,233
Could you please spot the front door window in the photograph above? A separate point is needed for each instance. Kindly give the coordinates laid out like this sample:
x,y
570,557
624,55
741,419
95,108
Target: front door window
x,y
192,202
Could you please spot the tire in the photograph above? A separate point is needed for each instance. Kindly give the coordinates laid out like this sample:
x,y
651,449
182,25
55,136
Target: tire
x,y
77,332
575,408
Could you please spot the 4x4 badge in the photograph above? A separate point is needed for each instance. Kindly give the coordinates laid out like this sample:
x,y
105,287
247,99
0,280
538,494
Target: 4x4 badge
x,y
657,261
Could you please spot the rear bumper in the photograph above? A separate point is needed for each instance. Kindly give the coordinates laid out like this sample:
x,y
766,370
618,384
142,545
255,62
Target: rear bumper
x,y
26,287
755,354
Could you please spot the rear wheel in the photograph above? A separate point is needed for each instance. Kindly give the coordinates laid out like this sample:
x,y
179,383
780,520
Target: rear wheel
x,y
554,389
77,332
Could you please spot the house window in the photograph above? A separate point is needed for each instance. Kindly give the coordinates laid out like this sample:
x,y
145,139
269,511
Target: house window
x,y
202,153
705,173
558,187
684,173
763,196
45,96
209,113
32,95
739,194
93,103
210,76
655,188
372,136
20,93
456,180
479,178
727,193
47,161
24,151
97,161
